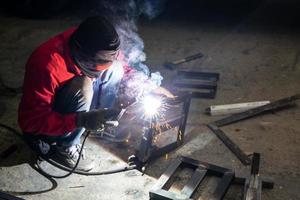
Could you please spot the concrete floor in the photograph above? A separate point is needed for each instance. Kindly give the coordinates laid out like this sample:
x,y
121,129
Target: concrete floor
x,y
256,51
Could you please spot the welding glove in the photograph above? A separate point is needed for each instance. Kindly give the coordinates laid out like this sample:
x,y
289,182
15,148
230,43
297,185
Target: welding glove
x,y
95,119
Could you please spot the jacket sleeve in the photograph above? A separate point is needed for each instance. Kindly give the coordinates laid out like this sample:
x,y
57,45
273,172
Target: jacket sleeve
x,y
35,112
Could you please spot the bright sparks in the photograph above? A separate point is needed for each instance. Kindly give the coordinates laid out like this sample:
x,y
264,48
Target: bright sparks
x,y
151,105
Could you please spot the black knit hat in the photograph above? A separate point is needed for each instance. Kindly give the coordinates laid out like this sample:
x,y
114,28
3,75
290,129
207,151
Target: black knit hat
x,y
95,35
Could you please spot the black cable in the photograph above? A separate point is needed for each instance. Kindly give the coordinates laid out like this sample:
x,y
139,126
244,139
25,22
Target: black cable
x,y
54,183
70,170
73,170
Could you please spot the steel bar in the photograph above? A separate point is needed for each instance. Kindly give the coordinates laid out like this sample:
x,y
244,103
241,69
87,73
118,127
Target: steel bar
x,y
196,179
199,84
213,169
266,183
230,144
223,186
146,145
255,111
165,177
185,113
253,185
166,195
185,74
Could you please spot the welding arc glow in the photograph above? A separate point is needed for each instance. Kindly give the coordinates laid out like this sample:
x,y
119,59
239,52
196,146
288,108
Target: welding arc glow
x,y
151,105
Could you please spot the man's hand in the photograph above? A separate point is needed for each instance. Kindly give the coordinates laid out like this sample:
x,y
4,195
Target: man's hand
x,y
95,119
164,92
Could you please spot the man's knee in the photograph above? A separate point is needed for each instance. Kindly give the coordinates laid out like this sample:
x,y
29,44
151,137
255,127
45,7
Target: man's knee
x,y
74,96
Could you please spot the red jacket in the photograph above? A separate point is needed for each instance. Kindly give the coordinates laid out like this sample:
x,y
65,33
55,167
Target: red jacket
x,y
48,68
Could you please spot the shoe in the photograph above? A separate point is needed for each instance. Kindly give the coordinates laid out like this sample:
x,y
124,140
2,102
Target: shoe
x,y
112,134
68,157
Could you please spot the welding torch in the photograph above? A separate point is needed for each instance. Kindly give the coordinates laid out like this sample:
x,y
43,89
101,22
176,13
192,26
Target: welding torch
x,y
115,122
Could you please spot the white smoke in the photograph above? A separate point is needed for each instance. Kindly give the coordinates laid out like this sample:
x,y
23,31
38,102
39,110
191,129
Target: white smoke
x,y
124,15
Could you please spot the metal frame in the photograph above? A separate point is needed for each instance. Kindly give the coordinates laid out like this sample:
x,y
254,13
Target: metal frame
x,y
199,84
252,184
148,150
201,169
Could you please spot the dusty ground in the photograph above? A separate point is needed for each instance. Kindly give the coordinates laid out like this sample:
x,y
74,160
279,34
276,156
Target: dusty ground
x,y
256,51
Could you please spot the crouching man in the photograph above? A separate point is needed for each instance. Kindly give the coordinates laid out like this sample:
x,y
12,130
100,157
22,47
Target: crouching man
x,y
70,85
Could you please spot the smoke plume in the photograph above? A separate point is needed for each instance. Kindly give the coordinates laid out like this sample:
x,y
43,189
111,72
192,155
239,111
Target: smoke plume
x,y
124,15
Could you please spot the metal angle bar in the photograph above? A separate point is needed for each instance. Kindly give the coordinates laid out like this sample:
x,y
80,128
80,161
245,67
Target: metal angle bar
x,y
210,94
165,177
146,145
223,186
166,195
255,111
252,188
195,84
198,75
194,182
266,183
212,169
185,113
255,163
230,144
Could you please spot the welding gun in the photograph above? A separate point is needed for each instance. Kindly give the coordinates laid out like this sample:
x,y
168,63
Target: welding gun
x,y
98,119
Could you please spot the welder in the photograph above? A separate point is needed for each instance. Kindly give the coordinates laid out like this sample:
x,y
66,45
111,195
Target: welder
x,y
70,85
